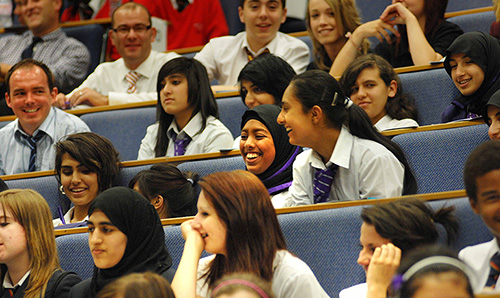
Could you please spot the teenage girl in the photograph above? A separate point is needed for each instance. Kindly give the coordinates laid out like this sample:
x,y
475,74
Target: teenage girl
x,y
473,63
422,36
86,164
349,159
186,114
371,83
29,266
328,21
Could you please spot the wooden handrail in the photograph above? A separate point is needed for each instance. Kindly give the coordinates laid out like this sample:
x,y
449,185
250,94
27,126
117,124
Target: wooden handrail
x,y
467,11
394,132
456,194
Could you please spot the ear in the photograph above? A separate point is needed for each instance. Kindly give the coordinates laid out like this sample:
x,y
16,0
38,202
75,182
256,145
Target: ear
x,y
112,36
393,88
7,100
153,34
283,17
240,13
57,4
474,205
316,114
157,202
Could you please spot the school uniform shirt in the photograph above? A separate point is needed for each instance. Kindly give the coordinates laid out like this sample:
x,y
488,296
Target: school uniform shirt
x,y
356,291
67,218
292,278
224,57
366,170
109,79
477,257
214,137
387,123
15,152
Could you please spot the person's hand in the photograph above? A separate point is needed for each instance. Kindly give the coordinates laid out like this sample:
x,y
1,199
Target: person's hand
x,y
383,264
190,233
87,96
375,28
396,14
61,101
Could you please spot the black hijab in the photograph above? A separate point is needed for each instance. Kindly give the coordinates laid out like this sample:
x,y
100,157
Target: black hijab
x,y
134,216
278,177
484,50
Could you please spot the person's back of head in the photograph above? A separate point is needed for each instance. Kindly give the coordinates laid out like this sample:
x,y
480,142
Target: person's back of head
x,y
138,285
233,285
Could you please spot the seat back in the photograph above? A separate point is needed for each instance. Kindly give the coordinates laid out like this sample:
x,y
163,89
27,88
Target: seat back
x,y
92,37
475,21
124,128
231,109
437,157
433,90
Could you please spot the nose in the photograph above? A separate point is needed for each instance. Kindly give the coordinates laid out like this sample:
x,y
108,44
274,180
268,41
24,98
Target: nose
x,y
281,118
166,89
250,100
459,70
250,142
95,237
263,12
75,178
364,258
494,131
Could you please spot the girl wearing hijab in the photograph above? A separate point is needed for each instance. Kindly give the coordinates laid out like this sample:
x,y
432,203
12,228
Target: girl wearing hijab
x,y
267,152
473,63
491,115
125,236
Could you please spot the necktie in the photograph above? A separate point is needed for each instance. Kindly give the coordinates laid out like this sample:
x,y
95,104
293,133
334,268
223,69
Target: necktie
x,y
28,52
181,144
132,78
181,4
32,144
9,292
250,55
494,271
322,184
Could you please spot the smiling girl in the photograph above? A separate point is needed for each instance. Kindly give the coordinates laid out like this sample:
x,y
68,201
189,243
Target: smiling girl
x,y
186,114
238,225
349,159
28,255
125,236
422,35
267,152
372,84
86,164
473,63
328,21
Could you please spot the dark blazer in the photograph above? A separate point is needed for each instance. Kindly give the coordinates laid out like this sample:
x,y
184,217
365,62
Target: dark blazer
x,y
59,285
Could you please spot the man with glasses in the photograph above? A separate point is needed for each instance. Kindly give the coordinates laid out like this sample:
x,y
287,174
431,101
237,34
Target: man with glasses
x,y
131,78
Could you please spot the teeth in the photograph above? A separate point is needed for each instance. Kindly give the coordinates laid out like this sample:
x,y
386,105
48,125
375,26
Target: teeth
x,y
77,189
252,155
464,81
31,111
288,129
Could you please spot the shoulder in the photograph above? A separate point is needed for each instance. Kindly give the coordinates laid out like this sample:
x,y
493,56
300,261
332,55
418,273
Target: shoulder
x,y
81,289
290,41
60,284
449,26
472,252
358,290
303,158
68,118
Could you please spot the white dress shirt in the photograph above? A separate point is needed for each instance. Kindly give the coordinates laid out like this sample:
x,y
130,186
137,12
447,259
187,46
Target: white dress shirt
x,y
477,257
387,122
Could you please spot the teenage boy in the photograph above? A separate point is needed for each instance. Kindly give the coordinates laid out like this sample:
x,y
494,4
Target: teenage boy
x,y
482,184
224,57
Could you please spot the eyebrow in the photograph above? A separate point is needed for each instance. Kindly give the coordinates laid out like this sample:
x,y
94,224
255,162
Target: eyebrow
x,y
102,223
491,192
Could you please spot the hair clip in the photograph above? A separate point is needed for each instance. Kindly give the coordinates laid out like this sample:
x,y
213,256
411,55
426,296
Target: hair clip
x,y
190,180
347,103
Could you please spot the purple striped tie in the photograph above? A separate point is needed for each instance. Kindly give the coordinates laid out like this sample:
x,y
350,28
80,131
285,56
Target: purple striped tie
x,y
322,184
132,78
181,144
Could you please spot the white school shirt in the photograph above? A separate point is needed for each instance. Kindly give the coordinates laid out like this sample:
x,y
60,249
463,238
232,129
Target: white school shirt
x,y
109,79
67,218
387,122
224,57
356,291
214,137
366,170
292,278
477,257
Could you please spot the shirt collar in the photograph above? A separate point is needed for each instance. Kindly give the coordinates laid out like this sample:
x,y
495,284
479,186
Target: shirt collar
x,y
48,125
341,154
54,35
145,68
7,283
174,3
271,46
191,129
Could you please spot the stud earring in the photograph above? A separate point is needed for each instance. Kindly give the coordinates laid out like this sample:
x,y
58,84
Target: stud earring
x,y
61,189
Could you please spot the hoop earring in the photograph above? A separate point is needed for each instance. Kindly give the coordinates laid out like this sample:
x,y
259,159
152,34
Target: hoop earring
x,y
61,189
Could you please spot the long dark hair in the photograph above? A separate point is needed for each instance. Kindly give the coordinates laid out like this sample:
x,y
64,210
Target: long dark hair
x,y
318,88
200,96
401,105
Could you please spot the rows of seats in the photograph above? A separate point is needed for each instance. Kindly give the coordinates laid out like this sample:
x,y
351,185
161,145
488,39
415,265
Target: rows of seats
x,y
327,240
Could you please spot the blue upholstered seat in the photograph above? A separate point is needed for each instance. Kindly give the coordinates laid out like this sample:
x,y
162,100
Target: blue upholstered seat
x,y
475,21
92,37
437,157
230,111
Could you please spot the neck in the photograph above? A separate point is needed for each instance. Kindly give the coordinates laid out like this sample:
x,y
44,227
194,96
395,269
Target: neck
x,y
182,118
255,44
44,31
79,213
29,130
325,149
18,267
135,63
333,49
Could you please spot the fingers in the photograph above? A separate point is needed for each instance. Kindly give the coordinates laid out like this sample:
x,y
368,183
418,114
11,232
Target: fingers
x,y
60,101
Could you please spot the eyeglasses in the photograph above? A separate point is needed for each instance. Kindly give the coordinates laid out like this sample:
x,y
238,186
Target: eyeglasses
x,y
124,30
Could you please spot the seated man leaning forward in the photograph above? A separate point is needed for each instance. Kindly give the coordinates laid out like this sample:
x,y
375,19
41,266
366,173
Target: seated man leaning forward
x,y
224,57
27,143
131,78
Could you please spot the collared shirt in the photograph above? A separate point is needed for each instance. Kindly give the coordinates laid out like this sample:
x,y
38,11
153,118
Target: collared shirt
x,y
109,78
67,218
7,283
67,58
387,122
224,57
477,257
174,3
14,149
214,137
366,170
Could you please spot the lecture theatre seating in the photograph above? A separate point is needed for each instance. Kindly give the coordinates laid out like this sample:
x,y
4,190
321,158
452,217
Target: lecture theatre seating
x,y
480,21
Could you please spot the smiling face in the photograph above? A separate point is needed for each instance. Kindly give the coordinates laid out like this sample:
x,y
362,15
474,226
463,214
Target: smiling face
x,y
133,46
254,96
323,23
79,183
494,122
466,75
41,16
369,239
30,97
297,123
13,243
209,225
257,147
106,242
371,93
262,19
488,201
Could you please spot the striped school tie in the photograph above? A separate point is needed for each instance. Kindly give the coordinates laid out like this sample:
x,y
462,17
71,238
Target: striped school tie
x,y
494,271
322,183
32,145
132,78
250,55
